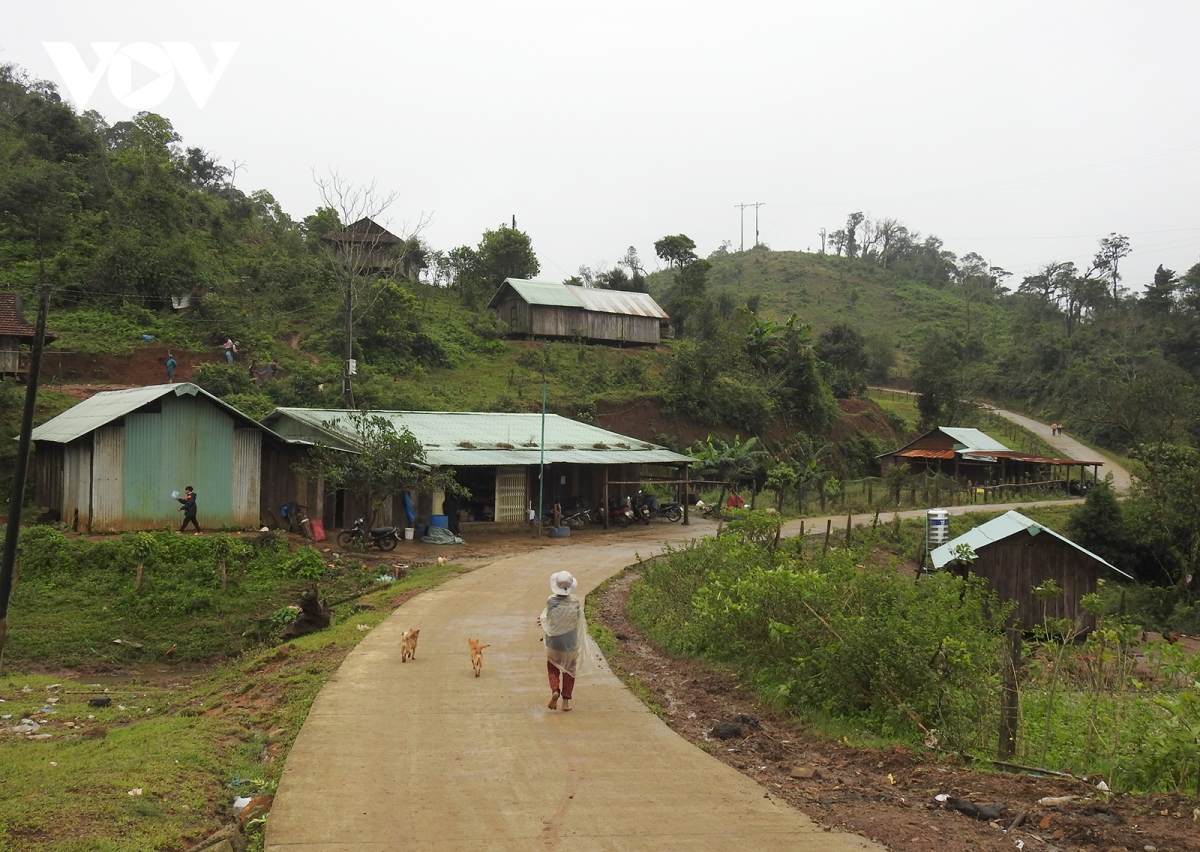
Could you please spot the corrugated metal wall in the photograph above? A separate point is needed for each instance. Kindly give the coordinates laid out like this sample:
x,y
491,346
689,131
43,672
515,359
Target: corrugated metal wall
x,y
188,442
77,484
107,496
247,476
48,476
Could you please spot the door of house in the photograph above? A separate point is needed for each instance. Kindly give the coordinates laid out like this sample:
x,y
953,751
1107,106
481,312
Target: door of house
x,y
510,493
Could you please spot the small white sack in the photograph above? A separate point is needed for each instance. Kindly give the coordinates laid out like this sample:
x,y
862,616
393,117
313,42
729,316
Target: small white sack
x,y
174,495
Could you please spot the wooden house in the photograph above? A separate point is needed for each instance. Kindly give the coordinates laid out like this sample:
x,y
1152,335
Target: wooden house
x,y
1015,554
497,457
968,455
365,247
529,308
112,462
14,332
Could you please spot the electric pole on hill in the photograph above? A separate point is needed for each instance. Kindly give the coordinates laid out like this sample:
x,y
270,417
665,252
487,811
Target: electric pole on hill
x,y
742,207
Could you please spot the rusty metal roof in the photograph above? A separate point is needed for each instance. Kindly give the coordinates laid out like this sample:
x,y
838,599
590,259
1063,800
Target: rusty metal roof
x,y
924,454
12,320
363,231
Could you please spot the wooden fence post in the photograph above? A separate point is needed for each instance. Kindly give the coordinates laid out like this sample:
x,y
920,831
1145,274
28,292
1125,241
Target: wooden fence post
x,y
848,516
828,530
1009,696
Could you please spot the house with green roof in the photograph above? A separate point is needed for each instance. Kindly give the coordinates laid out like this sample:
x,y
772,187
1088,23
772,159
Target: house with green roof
x,y
537,308
498,457
112,462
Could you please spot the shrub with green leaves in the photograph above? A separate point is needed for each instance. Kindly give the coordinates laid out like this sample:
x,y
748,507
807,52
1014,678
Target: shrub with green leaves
x,y
835,634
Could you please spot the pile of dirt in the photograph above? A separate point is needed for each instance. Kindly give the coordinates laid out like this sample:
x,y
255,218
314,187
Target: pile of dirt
x,y
83,374
887,795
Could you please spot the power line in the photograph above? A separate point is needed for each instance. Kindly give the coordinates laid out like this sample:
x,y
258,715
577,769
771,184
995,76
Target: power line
x,y
742,207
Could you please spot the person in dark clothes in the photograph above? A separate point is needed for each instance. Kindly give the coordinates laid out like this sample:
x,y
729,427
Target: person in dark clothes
x,y
450,509
188,508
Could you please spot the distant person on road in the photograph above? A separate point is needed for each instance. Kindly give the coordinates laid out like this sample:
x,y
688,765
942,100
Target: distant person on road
x,y
171,365
189,509
562,622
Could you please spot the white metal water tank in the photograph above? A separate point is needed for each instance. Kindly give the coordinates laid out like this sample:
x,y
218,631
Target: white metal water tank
x,y
937,527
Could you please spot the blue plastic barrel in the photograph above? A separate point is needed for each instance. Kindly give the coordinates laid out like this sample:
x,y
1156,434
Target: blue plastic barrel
x,y
442,521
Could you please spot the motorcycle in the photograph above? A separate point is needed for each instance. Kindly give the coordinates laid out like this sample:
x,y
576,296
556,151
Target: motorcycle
x,y
385,538
618,512
671,511
577,518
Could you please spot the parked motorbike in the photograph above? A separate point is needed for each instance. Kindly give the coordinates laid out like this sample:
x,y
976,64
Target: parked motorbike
x,y
618,512
670,511
385,538
577,518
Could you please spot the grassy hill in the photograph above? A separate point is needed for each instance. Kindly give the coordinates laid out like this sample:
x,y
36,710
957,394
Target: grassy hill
x,y
824,290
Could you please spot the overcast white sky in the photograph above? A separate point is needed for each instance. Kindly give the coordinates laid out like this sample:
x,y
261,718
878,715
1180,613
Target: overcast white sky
x,y
1024,131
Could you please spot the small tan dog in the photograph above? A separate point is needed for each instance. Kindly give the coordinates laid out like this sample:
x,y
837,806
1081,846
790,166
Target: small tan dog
x,y
477,655
408,645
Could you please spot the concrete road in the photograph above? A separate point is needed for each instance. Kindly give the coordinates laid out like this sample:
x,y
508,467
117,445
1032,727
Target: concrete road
x,y
1070,448
423,755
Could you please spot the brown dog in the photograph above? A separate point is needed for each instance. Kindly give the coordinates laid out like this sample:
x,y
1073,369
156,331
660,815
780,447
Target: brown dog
x,y
477,655
408,645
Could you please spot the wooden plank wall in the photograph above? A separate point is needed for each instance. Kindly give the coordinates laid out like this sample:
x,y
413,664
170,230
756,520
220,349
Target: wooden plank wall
x,y
1020,562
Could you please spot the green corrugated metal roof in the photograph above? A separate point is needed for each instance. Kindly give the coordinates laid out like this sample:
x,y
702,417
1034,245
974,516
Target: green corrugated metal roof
x,y
539,292
107,406
972,439
997,529
558,294
481,439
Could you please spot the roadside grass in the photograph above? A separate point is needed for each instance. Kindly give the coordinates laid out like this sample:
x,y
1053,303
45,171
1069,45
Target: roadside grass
x,y
189,745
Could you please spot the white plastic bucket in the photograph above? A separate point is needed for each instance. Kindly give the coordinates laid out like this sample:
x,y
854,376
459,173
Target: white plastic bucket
x,y
408,533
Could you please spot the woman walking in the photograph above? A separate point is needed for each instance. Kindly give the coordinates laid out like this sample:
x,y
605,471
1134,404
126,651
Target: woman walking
x,y
562,622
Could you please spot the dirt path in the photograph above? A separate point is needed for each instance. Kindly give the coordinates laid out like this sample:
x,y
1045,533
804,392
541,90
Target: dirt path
x,y
423,755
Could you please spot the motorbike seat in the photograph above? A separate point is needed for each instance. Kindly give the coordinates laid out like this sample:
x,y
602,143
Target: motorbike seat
x,y
382,531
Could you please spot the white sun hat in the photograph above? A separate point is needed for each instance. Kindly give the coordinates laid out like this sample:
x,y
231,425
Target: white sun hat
x,y
562,583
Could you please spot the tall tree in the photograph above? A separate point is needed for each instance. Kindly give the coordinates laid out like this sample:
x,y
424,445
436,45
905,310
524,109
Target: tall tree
x,y
367,256
1107,262
677,250
503,253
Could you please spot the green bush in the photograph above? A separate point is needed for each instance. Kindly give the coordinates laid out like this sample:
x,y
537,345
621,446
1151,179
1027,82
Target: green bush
x,y
833,634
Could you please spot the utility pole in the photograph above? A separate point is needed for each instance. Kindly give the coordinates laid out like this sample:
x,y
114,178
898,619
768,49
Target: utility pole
x,y
743,207
17,497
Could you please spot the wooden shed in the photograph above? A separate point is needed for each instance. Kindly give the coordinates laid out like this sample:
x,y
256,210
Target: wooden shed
x,y
365,246
532,308
112,462
969,455
1015,554
14,332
